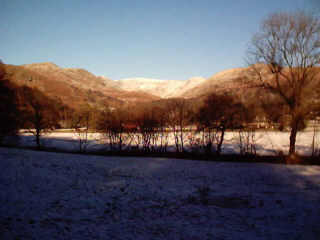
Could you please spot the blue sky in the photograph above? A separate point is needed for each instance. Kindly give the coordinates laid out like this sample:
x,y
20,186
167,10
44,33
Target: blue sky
x,y
166,39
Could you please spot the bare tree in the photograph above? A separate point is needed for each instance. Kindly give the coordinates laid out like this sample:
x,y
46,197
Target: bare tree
x,y
82,122
179,115
40,113
218,114
112,125
148,125
162,116
246,129
287,50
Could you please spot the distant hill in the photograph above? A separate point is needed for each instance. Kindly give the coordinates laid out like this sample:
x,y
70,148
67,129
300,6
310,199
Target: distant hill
x,y
225,81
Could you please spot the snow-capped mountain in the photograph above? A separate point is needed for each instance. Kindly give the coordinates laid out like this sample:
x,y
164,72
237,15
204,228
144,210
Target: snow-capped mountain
x,y
75,86
157,87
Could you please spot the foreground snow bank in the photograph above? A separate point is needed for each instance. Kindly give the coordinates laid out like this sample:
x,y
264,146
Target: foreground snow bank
x,y
68,196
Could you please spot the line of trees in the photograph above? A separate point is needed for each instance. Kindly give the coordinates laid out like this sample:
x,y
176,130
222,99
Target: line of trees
x,y
149,128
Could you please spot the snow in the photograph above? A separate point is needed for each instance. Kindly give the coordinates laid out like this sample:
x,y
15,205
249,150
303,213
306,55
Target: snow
x,y
267,142
157,87
68,196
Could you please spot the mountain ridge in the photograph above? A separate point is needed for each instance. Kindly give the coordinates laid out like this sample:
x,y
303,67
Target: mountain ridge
x,y
77,86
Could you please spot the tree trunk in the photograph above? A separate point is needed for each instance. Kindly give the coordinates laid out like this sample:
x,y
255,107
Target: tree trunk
x,y
313,142
220,141
120,143
38,138
293,136
181,138
209,143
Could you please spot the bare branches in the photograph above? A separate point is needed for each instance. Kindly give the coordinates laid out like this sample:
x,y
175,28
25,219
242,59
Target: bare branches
x,y
288,52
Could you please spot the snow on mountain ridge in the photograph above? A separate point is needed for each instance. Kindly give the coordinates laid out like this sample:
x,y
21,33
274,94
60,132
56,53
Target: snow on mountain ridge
x,y
142,79
158,87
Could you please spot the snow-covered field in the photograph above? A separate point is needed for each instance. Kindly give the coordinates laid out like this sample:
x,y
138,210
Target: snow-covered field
x,y
266,142
69,196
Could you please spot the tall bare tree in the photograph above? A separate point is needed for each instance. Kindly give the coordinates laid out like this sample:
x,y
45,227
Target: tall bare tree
x,y
287,50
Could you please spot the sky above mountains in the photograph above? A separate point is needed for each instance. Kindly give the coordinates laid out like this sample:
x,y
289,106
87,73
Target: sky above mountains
x,y
166,39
